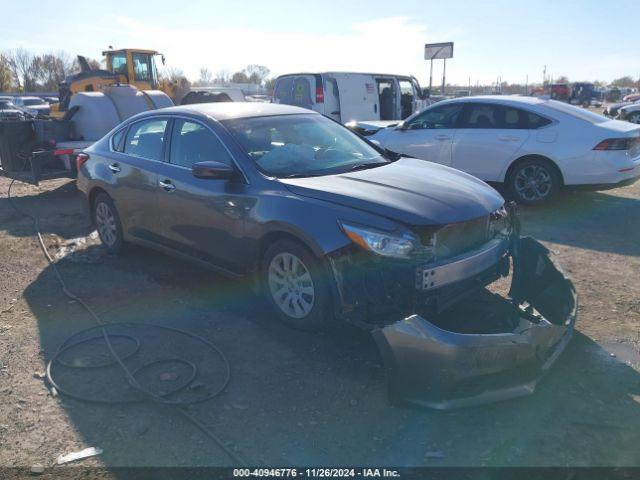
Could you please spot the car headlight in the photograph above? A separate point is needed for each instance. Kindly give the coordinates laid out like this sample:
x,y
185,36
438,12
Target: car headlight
x,y
500,223
383,243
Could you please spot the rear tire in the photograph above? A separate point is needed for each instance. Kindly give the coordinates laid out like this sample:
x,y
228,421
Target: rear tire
x,y
107,222
296,285
533,181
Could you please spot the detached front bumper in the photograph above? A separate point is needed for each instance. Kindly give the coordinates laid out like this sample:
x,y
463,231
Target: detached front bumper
x,y
444,369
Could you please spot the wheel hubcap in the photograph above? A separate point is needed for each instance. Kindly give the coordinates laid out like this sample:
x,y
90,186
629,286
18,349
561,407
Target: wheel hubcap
x,y
533,182
291,285
106,224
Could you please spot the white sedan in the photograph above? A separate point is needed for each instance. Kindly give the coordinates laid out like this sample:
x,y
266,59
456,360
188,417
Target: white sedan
x,y
534,146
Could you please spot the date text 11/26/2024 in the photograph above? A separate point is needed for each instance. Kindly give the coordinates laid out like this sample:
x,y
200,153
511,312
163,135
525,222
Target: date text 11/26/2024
x,y
316,472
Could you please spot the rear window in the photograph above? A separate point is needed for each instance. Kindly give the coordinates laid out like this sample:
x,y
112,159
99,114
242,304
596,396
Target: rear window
x,y
576,112
33,101
297,90
536,121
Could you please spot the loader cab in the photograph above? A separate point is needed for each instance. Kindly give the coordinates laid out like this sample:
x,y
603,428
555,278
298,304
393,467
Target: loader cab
x,y
138,67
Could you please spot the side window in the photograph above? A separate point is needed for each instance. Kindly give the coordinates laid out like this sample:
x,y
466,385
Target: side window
x,y
406,98
145,139
536,121
192,142
119,63
444,116
482,115
116,140
514,118
142,67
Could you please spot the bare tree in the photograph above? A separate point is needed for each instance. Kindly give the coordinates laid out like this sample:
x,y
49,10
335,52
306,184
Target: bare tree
x,y
626,81
222,77
6,77
256,73
20,63
206,77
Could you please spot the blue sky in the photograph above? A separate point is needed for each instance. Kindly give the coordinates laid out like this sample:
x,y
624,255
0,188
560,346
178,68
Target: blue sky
x,y
587,40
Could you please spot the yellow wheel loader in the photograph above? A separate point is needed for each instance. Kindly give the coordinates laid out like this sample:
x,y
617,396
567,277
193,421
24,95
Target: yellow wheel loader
x,y
91,103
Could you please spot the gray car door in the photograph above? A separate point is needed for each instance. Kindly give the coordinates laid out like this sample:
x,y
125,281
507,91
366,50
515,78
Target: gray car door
x,y
200,217
133,166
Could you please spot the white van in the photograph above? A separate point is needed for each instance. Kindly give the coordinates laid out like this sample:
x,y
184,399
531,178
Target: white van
x,y
347,96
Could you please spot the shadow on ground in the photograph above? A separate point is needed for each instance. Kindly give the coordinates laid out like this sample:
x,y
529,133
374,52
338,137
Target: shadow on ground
x,y
60,210
311,399
589,220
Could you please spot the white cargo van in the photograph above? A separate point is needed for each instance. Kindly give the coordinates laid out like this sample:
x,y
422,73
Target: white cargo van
x,y
347,96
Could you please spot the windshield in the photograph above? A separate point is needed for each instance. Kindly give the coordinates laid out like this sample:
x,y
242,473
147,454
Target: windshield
x,y
6,104
577,112
33,101
302,145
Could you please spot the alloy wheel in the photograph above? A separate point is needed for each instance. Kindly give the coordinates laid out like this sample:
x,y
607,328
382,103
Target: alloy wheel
x,y
533,182
291,285
106,224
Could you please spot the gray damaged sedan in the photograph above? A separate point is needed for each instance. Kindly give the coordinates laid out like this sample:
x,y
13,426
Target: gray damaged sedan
x,y
335,228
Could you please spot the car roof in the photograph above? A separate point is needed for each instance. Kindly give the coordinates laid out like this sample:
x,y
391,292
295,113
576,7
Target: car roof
x,y
233,110
505,99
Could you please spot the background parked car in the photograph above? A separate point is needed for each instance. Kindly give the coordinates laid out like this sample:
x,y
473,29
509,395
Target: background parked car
x,y
612,109
346,96
33,105
8,111
534,146
630,113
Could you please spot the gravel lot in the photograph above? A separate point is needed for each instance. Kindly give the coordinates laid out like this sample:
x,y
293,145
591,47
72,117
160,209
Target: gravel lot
x,y
299,398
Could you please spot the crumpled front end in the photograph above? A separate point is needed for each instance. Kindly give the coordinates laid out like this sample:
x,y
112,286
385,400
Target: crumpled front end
x,y
488,347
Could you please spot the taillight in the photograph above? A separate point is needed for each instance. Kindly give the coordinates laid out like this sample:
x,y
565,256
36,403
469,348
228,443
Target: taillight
x,y
81,159
614,144
319,95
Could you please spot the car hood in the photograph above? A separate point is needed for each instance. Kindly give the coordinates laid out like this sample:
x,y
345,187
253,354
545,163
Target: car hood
x,y
414,192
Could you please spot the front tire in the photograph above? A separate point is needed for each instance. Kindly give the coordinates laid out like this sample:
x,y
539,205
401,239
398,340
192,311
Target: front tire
x,y
534,181
107,222
296,285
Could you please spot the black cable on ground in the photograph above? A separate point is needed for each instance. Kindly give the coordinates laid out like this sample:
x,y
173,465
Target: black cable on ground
x,y
103,327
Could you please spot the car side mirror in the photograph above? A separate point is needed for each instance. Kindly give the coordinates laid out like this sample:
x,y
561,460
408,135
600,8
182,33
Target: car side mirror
x,y
426,93
212,170
402,126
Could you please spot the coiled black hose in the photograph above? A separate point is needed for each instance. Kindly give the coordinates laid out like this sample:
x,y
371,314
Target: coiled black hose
x,y
130,375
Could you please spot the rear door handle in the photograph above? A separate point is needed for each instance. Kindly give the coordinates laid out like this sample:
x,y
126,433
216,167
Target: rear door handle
x,y
443,137
507,138
167,185
114,167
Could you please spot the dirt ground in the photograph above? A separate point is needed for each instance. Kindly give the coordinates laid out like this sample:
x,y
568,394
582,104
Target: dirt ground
x,y
296,398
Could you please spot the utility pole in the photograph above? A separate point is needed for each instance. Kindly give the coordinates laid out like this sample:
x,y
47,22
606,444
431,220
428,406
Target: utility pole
x,y
444,74
430,76
526,86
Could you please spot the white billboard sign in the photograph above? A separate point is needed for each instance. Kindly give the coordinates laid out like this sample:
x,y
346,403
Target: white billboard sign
x,y
434,51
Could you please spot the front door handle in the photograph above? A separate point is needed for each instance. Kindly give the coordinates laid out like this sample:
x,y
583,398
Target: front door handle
x,y
114,167
167,185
